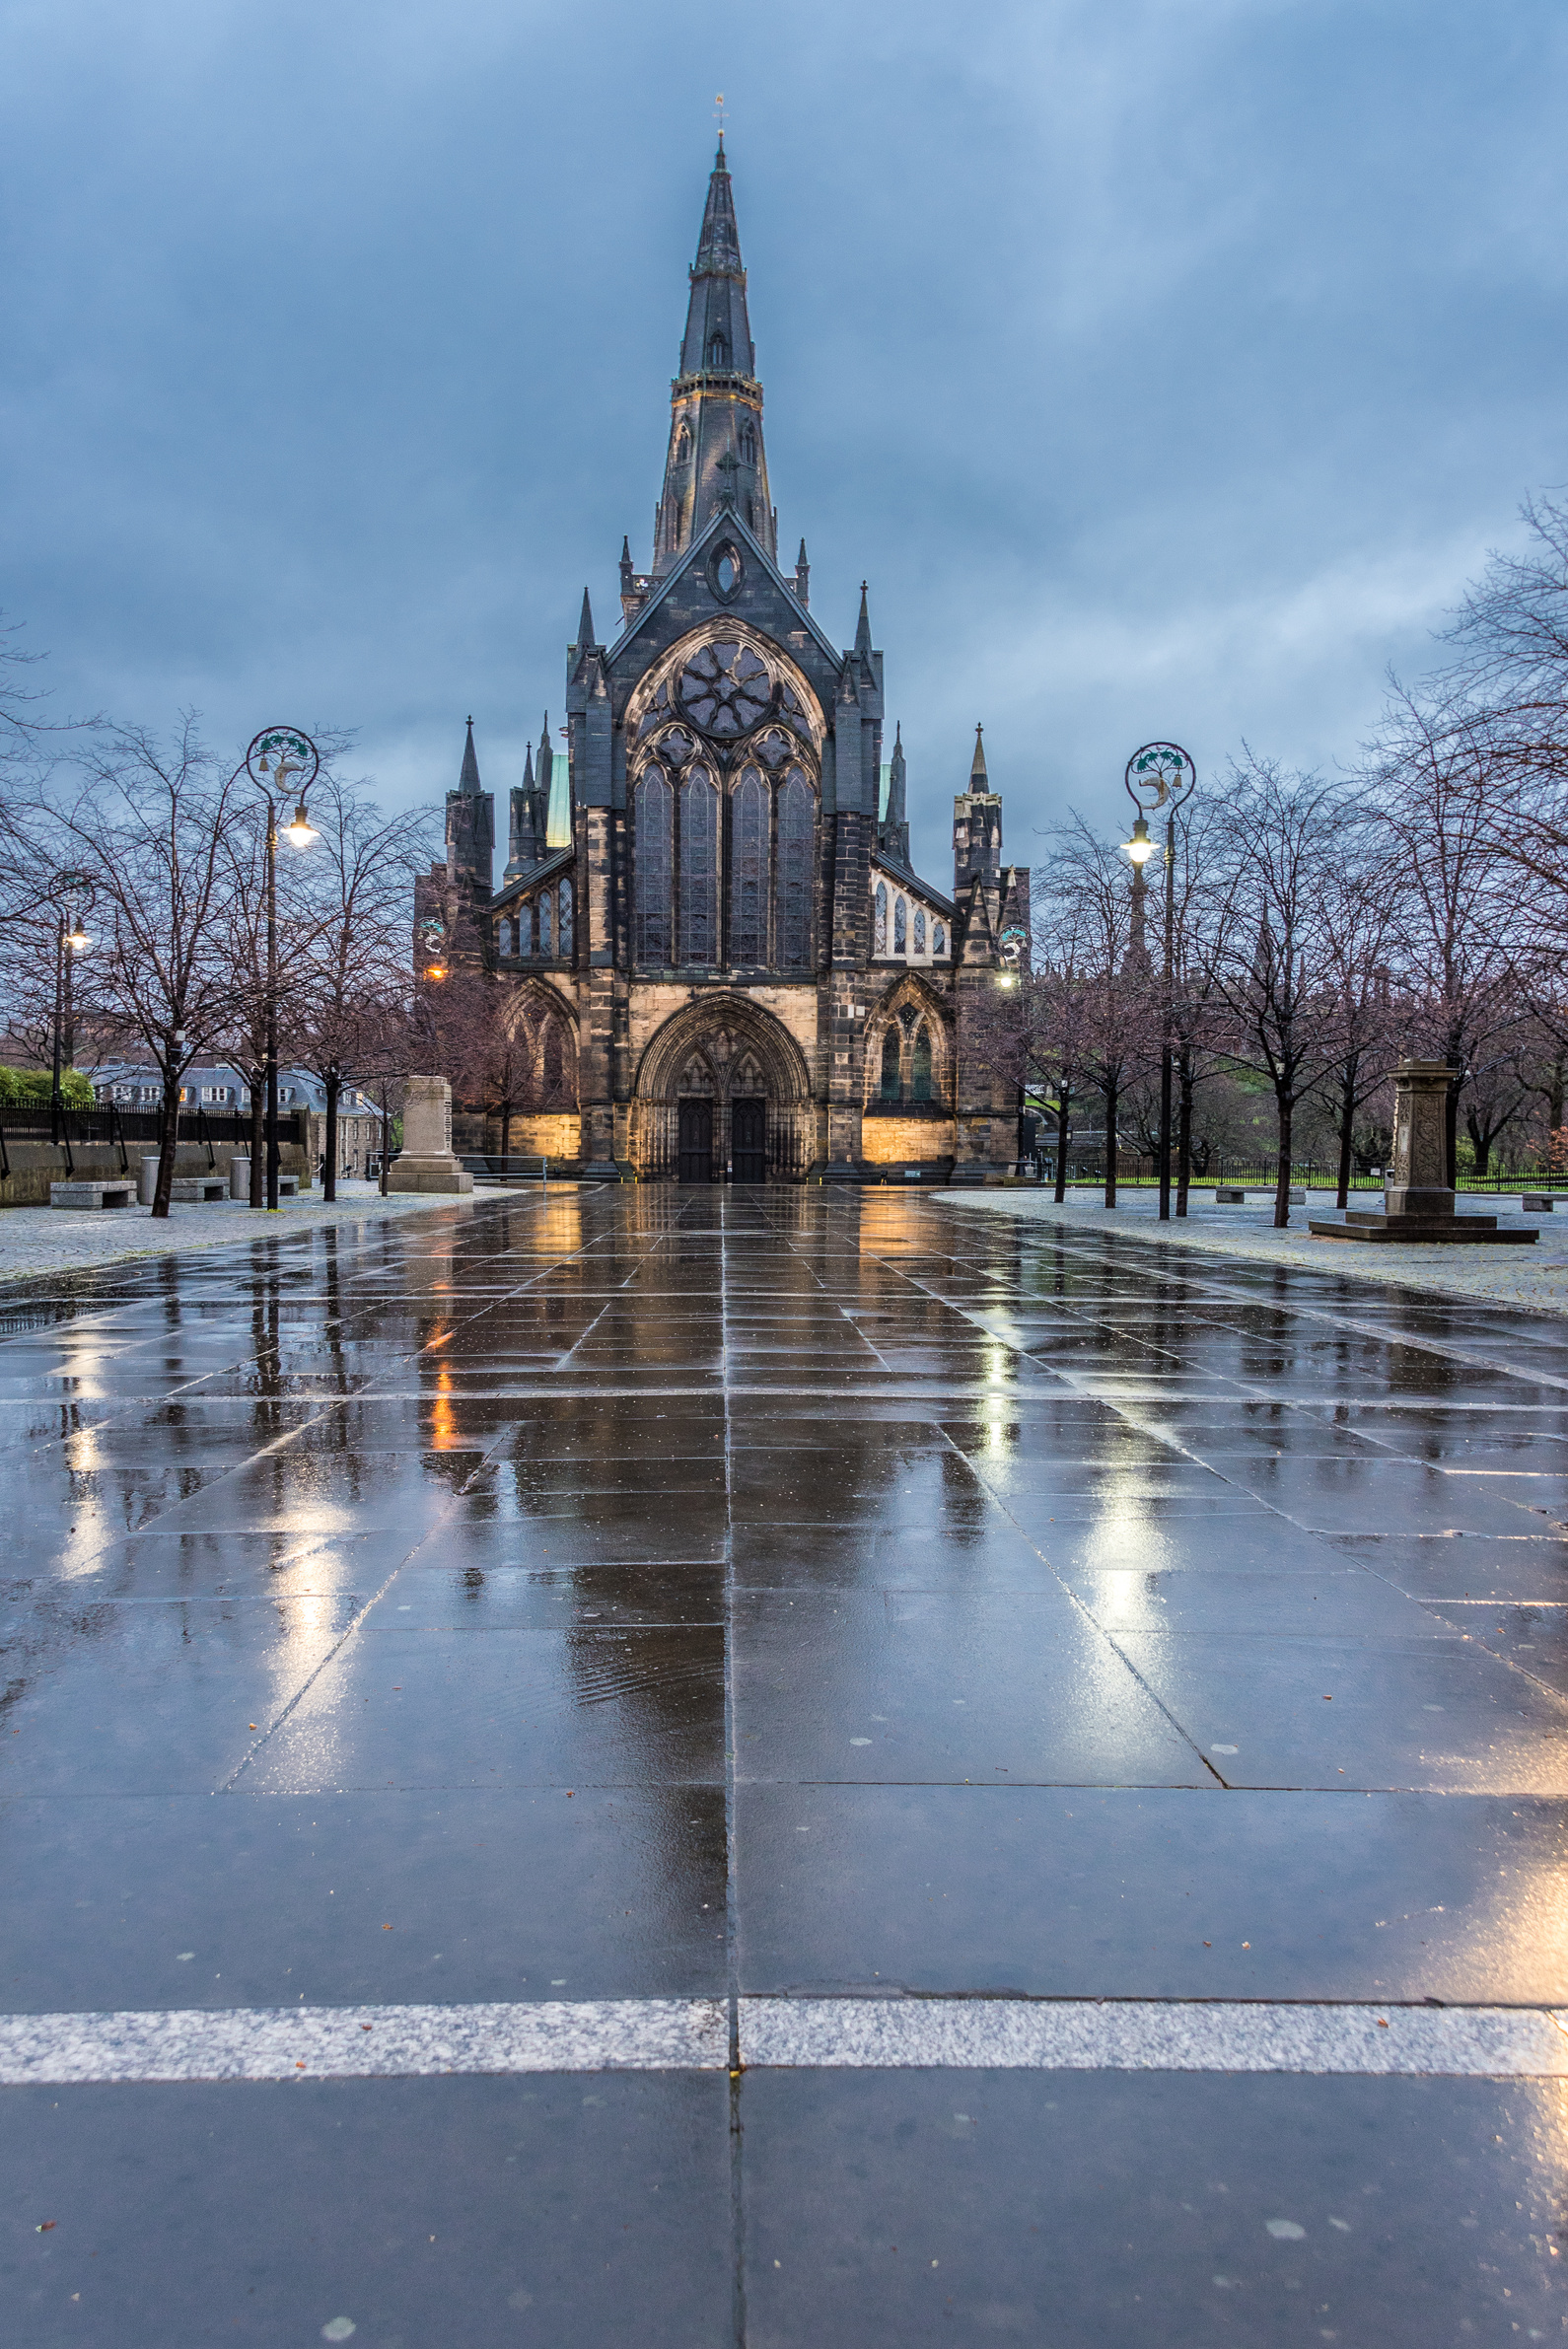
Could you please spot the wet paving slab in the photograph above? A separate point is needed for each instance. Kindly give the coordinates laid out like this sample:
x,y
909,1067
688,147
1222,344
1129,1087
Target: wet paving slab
x,y
649,1602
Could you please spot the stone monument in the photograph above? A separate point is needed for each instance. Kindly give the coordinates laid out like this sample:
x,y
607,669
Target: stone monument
x,y
1417,1201
426,1161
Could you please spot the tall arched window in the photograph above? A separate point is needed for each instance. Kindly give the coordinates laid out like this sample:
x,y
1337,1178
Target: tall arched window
x,y
554,1072
749,869
939,939
920,1067
503,939
653,810
920,930
547,924
879,942
683,447
718,351
900,927
699,869
525,929
563,917
890,1064
795,872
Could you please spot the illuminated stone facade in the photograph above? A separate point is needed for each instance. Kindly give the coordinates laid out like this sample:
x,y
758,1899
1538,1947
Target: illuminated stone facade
x,y
713,947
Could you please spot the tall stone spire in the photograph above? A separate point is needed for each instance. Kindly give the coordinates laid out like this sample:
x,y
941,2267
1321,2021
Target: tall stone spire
x,y
715,458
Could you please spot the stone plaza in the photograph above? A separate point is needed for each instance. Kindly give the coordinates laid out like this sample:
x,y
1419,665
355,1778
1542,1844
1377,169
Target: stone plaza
x,y
780,1766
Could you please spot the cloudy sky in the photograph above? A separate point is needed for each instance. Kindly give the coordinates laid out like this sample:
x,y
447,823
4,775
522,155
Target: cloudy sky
x,y
1165,365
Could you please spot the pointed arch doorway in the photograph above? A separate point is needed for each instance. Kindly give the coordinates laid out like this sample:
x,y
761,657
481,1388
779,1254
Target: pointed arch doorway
x,y
722,1090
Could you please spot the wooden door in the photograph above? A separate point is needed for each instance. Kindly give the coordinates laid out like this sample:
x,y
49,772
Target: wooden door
x,y
749,1141
695,1161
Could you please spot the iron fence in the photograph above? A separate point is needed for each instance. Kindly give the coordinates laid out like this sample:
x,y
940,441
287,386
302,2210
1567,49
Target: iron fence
x,y
108,1126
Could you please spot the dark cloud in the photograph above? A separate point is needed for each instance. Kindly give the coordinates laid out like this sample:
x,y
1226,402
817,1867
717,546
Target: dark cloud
x,y
1167,368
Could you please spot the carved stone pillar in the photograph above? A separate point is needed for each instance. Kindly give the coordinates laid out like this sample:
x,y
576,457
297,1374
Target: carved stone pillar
x,y
1415,1183
426,1161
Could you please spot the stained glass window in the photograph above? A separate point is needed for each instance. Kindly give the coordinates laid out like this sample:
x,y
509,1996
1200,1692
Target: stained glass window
x,y
564,917
547,924
939,939
900,927
795,810
699,869
920,930
879,942
748,812
503,939
651,896
920,1067
889,1065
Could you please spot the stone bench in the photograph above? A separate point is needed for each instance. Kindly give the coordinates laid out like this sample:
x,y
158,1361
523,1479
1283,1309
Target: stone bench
x,y
93,1194
1535,1203
197,1189
1225,1195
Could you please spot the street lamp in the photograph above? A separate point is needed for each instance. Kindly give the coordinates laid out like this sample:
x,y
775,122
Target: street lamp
x,y
73,893
280,758
1159,775
432,945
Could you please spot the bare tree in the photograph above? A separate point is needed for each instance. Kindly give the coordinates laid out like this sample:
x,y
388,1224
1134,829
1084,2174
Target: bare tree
x,y
1273,963
353,976
1085,894
149,820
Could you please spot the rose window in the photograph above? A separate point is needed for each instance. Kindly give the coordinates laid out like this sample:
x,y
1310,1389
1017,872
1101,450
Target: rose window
x,y
725,690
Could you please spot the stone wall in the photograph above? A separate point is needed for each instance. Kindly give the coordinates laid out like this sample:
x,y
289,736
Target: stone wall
x,y
36,1164
887,1141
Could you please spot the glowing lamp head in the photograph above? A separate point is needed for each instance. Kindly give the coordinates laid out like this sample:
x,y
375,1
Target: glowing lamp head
x,y
1140,847
77,939
434,970
300,831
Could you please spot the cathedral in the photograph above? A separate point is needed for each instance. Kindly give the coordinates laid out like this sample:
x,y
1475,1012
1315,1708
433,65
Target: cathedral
x,y
715,960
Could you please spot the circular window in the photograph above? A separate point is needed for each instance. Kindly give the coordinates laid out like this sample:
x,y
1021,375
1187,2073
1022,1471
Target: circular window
x,y
725,690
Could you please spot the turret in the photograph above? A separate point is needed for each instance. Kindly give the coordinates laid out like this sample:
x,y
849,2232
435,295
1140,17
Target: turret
x,y
471,826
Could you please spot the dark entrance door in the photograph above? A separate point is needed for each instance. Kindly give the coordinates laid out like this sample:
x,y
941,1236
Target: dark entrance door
x,y
695,1163
748,1141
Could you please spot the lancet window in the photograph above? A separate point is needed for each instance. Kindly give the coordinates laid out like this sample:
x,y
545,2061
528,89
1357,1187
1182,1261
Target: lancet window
x,y
891,1085
699,869
748,845
920,1067
879,943
651,900
563,918
547,924
796,813
900,927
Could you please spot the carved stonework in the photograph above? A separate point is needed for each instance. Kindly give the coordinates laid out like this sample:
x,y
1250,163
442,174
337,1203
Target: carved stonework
x,y
1416,1178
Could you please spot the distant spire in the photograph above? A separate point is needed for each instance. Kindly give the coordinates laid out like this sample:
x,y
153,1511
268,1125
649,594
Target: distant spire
x,y
585,625
803,577
715,458
863,627
469,779
528,769
978,779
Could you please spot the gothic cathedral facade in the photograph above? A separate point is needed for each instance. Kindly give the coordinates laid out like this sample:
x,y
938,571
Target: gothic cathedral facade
x,y
715,958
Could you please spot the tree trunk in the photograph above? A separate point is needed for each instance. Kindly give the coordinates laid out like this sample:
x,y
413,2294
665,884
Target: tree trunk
x,y
1184,1131
259,1173
1063,1105
1347,1114
333,1083
1282,1186
506,1132
1111,1094
386,1137
1480,1142
167,1145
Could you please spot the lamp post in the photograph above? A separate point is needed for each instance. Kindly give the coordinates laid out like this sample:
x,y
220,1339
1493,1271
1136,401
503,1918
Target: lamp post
x,y
279,758
1159,775
73,893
